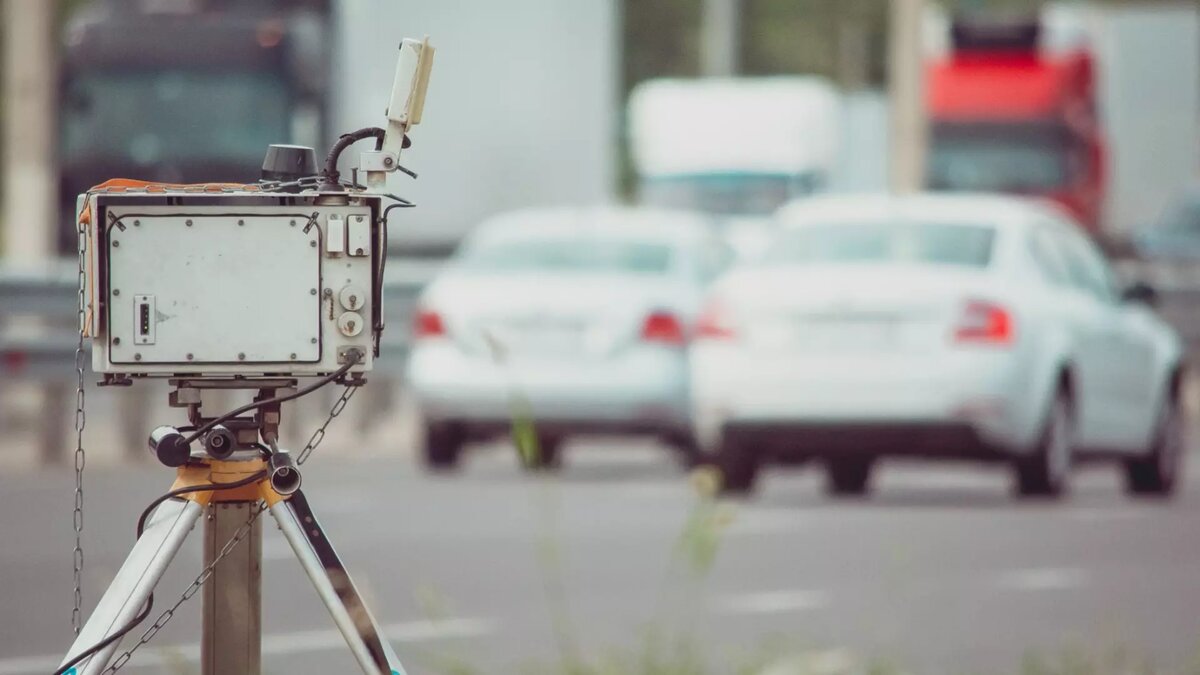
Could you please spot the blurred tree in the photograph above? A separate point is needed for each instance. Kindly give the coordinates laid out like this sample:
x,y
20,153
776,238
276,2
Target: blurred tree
x,y
842,39
662,39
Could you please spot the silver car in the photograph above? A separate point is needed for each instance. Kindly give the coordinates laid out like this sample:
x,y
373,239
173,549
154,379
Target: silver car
x,y
973,327
576,318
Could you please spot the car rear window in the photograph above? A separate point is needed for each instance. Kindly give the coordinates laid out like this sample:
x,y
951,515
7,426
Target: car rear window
x,y
568,255
928,243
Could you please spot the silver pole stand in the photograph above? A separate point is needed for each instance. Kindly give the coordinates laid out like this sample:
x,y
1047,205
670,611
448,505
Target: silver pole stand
x,y
335,587
232,629
232,637
123,600
231,640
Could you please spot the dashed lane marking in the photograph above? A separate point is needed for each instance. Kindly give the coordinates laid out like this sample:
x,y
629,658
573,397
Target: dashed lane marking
x,y
1037,579
773,602
280,644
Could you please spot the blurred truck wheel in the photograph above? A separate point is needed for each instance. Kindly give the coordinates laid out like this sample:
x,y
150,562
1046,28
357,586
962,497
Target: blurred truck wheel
x,y
848,476
1155,474
443,446
1045,472
548,457
739,464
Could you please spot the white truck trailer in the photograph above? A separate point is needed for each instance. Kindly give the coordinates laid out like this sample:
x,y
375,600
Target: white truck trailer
x,y
736,148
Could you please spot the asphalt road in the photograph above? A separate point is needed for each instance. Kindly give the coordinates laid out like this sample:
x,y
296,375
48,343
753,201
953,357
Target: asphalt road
x,y
940,572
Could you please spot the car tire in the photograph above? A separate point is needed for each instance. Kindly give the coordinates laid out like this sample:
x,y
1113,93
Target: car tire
x,y
443,446
1045,472
1156,473
739,465
685,448
549,455
848,476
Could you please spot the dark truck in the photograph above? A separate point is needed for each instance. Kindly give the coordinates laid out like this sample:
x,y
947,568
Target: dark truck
x,y
187,91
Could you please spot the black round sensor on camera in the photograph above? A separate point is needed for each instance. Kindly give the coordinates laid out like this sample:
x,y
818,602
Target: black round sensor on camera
x,y
220,442
288,163
170,446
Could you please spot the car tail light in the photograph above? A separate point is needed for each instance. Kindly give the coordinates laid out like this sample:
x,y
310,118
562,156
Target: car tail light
x,y
428,324
14,361
984,322
663,328
714,323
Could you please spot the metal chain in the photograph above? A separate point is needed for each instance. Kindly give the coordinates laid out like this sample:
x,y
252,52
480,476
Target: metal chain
x,y
319,434
80,423
205,574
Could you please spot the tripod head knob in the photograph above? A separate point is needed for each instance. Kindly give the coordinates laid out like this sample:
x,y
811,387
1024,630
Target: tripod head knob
x,y
169,447
220,442
284,476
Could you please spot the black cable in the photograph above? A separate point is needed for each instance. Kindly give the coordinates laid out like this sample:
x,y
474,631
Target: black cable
x,y
133,623
352,359
330,176
141,528
401,203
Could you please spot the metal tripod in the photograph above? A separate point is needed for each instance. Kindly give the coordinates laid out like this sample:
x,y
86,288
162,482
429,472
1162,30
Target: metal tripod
x,y
232,629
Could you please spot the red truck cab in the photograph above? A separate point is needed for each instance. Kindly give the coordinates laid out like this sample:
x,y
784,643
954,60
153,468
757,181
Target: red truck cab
x,y
1007,115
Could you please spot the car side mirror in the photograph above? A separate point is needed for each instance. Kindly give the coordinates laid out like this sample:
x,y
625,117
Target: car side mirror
x,y
1140,292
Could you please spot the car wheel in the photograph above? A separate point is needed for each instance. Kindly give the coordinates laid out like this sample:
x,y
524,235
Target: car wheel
x,y
848,476
443,446
1046,471
1156,473
739,464
548,456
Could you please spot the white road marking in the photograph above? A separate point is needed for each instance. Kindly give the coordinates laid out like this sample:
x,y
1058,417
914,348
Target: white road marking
x,y
755,522
281,644
1043,579
944,479
774,602
1091,514
823,662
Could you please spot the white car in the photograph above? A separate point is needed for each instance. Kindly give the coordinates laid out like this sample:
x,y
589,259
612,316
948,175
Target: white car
x,y
577,318
937,326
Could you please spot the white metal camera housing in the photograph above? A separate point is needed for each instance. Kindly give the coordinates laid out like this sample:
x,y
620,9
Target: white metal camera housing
x,y
234,283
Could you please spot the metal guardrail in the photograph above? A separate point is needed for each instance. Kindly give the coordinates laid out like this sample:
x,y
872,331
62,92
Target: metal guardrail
x,y
37,322
38,337
45,351
38,325
38,318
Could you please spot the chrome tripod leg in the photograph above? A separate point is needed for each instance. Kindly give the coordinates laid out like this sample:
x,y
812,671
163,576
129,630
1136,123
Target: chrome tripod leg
x,y
335,587
145,565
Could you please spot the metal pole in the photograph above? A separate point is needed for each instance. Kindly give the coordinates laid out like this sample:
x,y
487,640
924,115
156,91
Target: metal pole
x,y
909,134
232,626
30,214
721,33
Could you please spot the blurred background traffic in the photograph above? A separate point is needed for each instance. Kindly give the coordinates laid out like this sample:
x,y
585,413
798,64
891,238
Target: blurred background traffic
x,y
745,234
